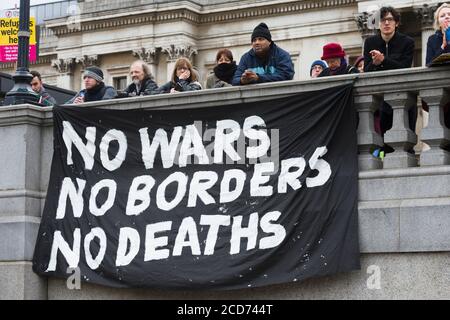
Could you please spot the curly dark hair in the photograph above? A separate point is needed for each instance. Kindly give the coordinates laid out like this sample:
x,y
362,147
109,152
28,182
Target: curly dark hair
x,y
384,11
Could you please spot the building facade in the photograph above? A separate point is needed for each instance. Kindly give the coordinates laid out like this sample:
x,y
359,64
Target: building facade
x,y
75,34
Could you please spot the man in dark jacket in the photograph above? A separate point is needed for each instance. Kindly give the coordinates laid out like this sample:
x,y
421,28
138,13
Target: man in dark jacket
x,y
36,84
142,84
386,51
265,62
95,89
389,49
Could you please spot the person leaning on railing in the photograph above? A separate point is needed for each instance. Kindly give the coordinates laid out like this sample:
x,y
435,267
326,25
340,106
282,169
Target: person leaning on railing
x,y
389,50
438,43
142,84
36,84
184,78
265,62
95,88
334,56
223,73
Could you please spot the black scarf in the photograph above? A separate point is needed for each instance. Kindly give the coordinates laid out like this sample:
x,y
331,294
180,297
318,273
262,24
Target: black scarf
x,y
225,71
96,93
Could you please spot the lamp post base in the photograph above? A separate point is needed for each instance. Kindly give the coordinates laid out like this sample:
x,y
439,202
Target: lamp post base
x,y
21,92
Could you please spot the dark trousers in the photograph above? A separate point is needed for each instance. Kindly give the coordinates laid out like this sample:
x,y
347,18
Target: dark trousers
x,y
384,116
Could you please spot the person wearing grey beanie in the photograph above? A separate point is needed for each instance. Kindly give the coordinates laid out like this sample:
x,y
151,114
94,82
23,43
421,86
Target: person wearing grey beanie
x,y
95,88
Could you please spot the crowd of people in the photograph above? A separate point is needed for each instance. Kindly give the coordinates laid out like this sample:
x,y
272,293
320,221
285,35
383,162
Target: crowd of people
x,y
267,62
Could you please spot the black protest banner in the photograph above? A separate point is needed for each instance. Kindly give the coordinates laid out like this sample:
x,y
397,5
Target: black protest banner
x,y
228,197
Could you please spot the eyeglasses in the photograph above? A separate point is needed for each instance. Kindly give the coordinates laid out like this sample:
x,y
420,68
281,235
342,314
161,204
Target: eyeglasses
x,y
389,20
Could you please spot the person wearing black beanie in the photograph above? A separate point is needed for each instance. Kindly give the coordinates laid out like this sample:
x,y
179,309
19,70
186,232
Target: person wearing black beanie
x,y
265,62
262,31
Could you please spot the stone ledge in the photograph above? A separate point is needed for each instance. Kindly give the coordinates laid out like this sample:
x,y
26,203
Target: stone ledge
x,y
416,225
391,187
402,276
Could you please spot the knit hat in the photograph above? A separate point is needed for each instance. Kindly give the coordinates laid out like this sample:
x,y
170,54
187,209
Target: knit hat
x,y
321,63
262,30
94,73
332,50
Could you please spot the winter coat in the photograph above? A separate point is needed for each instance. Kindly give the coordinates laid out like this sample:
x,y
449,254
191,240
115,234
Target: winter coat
x,y
45,98
277,67
183,85
98,93
343,69
148,87
222,76
434,48
398,52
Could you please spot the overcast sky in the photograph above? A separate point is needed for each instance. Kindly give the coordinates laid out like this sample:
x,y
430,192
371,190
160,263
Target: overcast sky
x,y
8,4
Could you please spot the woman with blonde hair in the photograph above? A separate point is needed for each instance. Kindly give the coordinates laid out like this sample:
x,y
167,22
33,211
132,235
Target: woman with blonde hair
x,y
184,78
439,42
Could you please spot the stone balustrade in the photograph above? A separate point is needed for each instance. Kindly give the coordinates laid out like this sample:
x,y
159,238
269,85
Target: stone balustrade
x,y
404,201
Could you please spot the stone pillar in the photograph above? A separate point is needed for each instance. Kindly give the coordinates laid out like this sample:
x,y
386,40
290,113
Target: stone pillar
x,y
65,68
368,139
426,15
24,142
367,25
400,137
87,61
175,52
150,56
436,134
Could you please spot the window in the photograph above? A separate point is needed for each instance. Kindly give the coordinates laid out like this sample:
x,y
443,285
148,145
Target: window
x,y
120,83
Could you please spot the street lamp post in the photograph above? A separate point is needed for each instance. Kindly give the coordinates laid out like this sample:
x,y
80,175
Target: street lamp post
x,y
22,92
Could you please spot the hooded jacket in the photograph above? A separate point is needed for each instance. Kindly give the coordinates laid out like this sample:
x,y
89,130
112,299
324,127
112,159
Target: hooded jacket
x,y
277,67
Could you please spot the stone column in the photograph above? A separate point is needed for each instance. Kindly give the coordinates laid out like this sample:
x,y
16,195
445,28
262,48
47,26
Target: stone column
x,y
65,68
367,25
87,61
436,134
174,52
426,15
150,56
400,137
24,130
368,139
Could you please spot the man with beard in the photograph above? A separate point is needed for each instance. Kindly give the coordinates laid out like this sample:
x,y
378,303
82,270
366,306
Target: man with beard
x,y
95,89
142,84
265,62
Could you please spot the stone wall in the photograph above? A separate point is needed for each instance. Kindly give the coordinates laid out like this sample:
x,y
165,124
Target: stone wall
x,y
404,201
